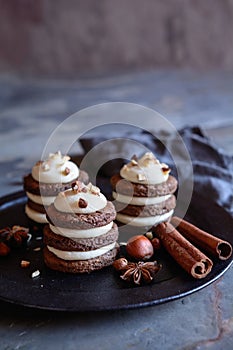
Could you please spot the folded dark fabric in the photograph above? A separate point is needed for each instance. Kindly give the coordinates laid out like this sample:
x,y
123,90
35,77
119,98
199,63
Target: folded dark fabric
x,y
212,168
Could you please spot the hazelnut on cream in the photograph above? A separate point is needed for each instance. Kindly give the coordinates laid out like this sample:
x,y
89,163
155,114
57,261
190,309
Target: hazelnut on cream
x,y
86,199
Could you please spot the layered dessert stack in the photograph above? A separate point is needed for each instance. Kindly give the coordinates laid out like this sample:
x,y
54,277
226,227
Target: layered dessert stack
x,y
143,192
47,179
81,235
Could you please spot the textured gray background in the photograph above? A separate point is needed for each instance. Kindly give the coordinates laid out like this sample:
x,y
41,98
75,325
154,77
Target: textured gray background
x,y
74,37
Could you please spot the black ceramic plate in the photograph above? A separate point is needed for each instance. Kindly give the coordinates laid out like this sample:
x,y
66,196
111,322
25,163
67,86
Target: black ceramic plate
x,y
101,290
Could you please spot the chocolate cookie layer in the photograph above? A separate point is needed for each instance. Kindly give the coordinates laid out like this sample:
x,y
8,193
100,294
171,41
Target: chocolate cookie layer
x,y
80,266
141,190
81,221
44,189
37,207
148,210
79,244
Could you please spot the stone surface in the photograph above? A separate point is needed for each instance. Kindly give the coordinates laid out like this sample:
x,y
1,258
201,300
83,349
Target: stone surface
x,y
69,38
30,110
189,323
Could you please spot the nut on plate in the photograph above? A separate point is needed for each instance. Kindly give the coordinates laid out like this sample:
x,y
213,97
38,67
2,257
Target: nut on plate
x,y
120,264
156,243
35,274
24,263
139,247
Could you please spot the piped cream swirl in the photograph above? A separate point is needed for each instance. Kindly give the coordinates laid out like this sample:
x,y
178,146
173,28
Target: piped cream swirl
x,y
57,168
146,170
86,200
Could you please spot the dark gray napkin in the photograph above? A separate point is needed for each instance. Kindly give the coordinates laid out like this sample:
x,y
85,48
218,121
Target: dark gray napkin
x,y
212,168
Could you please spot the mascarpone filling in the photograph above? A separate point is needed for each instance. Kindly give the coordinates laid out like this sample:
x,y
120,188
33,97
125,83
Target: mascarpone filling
x,y
146,170
42,200
143,221
74,255
35,215
56,169
75,233
140,201
71,201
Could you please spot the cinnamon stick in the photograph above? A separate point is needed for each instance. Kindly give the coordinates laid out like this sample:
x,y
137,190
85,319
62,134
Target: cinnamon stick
x,y
211,244
186,255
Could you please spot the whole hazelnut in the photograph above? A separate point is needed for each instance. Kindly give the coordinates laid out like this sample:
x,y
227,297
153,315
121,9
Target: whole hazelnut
x,y
139,247
156,243
120,264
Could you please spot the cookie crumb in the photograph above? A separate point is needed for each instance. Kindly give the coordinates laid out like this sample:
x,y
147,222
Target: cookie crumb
x,y
37,249
35,274
24,263
141,177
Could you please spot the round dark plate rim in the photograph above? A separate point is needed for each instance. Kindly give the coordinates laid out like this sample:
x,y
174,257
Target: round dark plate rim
x,y
142,296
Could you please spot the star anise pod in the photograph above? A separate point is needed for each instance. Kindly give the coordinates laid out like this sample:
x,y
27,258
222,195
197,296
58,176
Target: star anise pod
x,y
12,237
4,248
18,235
4,233
139,272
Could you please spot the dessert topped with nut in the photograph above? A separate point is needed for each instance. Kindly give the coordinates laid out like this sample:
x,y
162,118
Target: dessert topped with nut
x,y
145,170
81,235
57,168
143,192
80,199
47,179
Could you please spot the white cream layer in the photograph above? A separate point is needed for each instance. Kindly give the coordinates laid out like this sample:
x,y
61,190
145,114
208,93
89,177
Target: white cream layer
x,y
73,255
146,170
143,221
139,200
75,233
68,202
35,215
56,168
42,200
